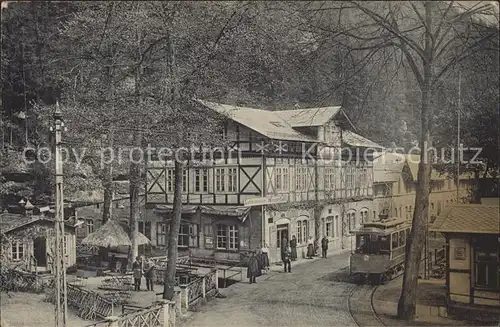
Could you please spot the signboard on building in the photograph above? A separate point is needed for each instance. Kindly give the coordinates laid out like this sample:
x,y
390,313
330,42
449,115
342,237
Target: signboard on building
x,y
265,201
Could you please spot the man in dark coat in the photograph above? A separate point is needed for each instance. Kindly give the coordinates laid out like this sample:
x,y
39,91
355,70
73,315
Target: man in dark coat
x,y
284,244
253,268
137,267
149,273
293,247
286,259
324,246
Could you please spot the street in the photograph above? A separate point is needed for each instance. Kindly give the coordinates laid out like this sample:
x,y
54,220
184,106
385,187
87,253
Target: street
x,y
306,297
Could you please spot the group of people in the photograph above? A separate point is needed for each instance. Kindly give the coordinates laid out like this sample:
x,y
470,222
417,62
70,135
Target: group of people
x,y
258,264
143,267
259,260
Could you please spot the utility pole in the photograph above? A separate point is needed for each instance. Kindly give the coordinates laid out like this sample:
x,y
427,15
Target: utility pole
x,y
60,269
458,135
342,194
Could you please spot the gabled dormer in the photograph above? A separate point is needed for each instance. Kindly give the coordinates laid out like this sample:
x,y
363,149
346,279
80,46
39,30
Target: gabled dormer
x,y
320,123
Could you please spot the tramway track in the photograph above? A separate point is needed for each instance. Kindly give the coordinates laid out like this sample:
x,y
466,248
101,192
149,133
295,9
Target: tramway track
x,y
360,306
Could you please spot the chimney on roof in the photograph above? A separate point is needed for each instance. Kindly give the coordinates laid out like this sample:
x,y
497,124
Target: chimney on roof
x,y
28,209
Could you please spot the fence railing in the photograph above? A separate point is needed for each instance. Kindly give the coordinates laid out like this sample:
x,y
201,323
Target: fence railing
x,y
199,289
161,313
14,280
439,255
89,305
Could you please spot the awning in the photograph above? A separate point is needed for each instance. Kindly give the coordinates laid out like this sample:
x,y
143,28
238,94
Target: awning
x,y
239,212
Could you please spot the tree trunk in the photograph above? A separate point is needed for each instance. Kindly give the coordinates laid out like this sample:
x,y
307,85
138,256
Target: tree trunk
x,y
173,235
414,247
135,182
317,208
108,184
175,223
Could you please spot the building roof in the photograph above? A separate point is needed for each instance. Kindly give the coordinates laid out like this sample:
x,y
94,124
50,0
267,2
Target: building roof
x,y
356,140
388,167
264,122
12,221
239,212
308,117
279,125
468,218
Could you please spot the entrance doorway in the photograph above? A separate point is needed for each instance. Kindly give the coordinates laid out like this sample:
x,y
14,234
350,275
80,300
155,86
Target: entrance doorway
x,y
40,251
282,233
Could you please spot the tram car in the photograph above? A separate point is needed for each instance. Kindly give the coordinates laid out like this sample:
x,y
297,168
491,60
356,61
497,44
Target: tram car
x,y
380,250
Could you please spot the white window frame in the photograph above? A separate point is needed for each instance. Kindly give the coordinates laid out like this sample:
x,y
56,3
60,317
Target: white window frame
x,y
229,235
329,178
183,235
170,176
329,227
281,179
15,248
185,181
220,180
232,180
161,234
233,237
201,180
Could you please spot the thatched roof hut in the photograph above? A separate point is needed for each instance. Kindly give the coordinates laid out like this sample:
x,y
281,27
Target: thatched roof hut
x,y
113,234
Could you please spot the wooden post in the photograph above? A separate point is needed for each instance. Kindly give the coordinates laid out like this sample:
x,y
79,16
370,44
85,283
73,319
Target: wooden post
x,y
184,297
166,312
112,321
203,286
216,278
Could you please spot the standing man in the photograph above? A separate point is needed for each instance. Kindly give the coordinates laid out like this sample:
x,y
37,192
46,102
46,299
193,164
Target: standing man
x,y
286,259
293,246
284,244
137,267
324,246
253,268
150,267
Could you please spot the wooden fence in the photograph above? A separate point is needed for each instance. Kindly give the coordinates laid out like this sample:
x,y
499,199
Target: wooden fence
x,y
199,289
161,313
15,280
89,305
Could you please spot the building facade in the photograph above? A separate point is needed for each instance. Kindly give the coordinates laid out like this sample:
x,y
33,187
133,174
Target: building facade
x,y
283,178
395,184
473,260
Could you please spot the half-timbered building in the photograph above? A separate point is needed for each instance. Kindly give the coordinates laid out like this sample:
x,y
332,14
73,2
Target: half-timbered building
x,y
281,177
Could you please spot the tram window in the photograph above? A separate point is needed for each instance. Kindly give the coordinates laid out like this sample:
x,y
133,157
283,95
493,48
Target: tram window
x,y
360,241
384,243
394,239
402,238
408,233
